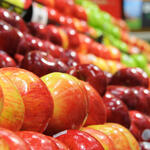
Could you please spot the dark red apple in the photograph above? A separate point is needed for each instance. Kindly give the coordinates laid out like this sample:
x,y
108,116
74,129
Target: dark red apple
x,y
136,98
140,125
117,111
79,140
42,63
9,38
92,74
14,19
6,60
145,145
29,43
130,77
37,141
13,141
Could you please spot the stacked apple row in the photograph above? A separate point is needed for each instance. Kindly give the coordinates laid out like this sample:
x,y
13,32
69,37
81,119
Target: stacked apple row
x,y
109,136
49,39
59,102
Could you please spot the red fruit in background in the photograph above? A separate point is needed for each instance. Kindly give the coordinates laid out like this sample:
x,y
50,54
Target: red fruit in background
x,y
36,97
13,141
136,98
140,125
6,60
97,111
9,38
117,111
37,141
108,76
92,74
42,63
130,77
18,58
78,140
29,43
59,144
14,19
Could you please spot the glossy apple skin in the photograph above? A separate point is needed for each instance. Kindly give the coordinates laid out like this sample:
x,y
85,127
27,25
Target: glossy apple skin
x,y
6,60
97,111
29,43
136,98
59,144
131,139
144,145
1,99
130,77
92,74
9,38
4,145
140,125
14,19
101,137
117,110
13,141
70,99
42,63
37,99
78,140
13,110
37,141
118,138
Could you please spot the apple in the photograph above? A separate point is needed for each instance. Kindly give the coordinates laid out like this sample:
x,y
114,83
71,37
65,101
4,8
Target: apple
x,y
10,141
101,137
70,102
117,110
118,138
131,139
14,19
140,125
36,97
42,63
136,98
79,140
130,77
97,111
59,144
12,113
6,60
37,141
9,38
144,145
1,100
92,74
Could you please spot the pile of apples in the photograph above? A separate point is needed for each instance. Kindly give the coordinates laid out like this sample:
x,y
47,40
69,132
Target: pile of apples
x,y
70,112
72,102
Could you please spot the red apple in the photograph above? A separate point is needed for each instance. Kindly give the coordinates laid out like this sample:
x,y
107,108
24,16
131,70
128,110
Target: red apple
x,y
144,145
14,19
70,102
37,99
59,144
92,74
6,60
118,138
37,141
42,63
117,110
11,141
140,125
9,38
130,77
106,142
79,140
97,111
12,114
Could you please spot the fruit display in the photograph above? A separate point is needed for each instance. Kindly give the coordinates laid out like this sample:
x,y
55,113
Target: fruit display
x,y
78,81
